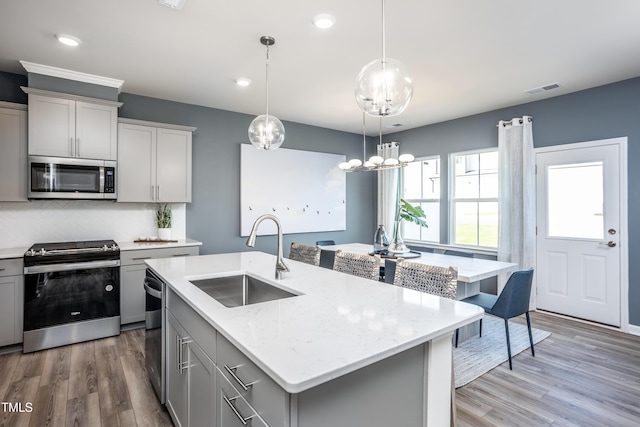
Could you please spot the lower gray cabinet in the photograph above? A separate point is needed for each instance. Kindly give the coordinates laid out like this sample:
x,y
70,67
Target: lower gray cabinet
x,y
132,271
190,379
11,301
233,409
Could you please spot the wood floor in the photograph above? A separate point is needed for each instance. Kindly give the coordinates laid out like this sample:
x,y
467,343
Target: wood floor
x,y
96,383
581,376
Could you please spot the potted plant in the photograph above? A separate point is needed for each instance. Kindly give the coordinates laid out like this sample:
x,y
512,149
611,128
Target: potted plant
x,y
408,212
163,221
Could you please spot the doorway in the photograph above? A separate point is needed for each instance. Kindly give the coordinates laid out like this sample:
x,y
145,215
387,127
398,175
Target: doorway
x,y
581,238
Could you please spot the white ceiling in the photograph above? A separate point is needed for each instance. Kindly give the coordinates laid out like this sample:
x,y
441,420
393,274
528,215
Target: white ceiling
x,y
465,56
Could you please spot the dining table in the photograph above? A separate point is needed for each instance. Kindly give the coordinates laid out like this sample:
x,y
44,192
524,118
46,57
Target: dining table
x,y
470,271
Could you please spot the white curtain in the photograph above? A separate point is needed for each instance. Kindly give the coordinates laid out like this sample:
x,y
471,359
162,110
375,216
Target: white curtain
x,y
388,189
517,194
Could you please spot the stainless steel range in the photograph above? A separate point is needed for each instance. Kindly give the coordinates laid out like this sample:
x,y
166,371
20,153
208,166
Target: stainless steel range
x,y
71,293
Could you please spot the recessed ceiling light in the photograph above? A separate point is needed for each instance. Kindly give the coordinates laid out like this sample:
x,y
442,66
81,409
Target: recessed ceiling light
x,y
173,4
324,20
243,82
68,40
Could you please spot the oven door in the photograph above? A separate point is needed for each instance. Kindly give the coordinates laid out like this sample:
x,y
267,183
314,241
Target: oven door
x,y
59,294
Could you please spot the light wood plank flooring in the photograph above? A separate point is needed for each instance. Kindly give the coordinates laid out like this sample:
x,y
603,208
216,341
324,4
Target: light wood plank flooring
x,y
96,383
581,376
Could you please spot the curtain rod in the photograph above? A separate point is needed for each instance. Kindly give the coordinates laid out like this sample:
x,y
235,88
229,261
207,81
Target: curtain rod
x,y
507,122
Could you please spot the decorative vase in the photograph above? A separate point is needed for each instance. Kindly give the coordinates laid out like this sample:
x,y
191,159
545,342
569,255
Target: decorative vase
x,y
164,233
380,240
397,245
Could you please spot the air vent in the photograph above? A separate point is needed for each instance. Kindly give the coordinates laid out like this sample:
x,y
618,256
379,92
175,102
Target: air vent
x,y
396,125
542,88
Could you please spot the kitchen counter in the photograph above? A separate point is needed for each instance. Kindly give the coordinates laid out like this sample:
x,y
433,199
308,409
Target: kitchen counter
x,y
130,245
336,325
7,253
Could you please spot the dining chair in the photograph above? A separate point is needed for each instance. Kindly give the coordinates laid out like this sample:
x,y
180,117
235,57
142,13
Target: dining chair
x,y
513,301
367,266
325,242
327,258
389,270
440,281
459,253
305,253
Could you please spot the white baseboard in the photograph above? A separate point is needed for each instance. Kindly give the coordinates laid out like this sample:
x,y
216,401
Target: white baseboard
x,y
634,330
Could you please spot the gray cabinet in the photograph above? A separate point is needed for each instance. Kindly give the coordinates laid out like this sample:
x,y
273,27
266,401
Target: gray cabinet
x,y
11,301
191,374
132,271
154,162
64,125
13,152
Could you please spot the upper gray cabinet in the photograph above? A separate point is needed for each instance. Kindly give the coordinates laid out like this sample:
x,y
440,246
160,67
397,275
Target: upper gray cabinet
x,y
154,162
63,125
13,152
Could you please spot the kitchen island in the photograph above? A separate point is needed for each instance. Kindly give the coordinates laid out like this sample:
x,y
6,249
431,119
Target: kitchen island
x,y
343,351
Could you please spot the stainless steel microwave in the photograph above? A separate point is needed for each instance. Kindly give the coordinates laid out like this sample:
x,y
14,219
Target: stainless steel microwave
x,y
66,178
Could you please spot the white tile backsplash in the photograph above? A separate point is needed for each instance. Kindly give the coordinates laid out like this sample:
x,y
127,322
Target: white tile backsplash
x,y
36,221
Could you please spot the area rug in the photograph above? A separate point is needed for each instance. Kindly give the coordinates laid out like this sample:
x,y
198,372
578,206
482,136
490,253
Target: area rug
x,y
478,355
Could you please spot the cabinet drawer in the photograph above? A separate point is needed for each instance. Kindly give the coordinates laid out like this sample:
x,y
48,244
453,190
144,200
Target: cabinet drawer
x,y
197,328
11,267
139,256
229,396
267,397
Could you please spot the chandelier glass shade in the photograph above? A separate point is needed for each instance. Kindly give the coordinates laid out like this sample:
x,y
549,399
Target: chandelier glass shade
x,y
266,132
383,86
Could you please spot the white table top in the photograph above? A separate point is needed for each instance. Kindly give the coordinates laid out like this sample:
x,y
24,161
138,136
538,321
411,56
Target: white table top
x,y
469,269
337,324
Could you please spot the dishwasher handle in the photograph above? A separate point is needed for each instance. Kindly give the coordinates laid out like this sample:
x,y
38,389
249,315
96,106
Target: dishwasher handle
x,y
150,286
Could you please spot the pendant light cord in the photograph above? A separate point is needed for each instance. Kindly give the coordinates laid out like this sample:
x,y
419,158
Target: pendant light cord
x,y
384,52
364,139
267,74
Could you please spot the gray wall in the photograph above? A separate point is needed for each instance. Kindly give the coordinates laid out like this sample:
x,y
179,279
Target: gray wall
x,y
214,215
599,113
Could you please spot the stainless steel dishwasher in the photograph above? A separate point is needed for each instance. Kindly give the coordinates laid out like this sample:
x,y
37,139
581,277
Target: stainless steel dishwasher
x,y
154,342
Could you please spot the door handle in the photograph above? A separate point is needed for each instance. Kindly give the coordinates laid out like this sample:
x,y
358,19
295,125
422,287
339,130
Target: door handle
x,y
610,243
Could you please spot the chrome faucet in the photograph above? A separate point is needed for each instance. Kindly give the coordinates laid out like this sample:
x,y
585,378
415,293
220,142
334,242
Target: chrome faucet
x,y
281,267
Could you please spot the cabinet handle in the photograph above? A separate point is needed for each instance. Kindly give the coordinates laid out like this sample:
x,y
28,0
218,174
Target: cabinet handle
x,y
229,402
77,147
175,255
182,365
2,269
232,372
139,258
158,187
71,147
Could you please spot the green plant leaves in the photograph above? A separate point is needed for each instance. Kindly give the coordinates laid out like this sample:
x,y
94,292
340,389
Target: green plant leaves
x,y
411,213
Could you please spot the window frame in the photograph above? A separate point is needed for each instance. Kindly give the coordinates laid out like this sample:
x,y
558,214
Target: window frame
x,y
423,200
451,188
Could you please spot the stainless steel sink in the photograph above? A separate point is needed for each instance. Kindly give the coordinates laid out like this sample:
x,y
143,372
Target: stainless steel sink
x,y
235,291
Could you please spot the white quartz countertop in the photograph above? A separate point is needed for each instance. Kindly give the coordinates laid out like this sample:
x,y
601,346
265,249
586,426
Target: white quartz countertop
x,y
18,252
337,324
7,253
134,246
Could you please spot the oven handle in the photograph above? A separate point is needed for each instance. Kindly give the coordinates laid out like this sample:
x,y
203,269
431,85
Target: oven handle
x,y
51,268
151,291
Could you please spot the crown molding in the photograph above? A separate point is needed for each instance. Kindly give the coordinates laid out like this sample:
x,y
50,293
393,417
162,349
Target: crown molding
x,y
71,75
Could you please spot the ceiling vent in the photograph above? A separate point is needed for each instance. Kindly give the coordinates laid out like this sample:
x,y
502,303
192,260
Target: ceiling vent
x,y
396,125
173,4
542,88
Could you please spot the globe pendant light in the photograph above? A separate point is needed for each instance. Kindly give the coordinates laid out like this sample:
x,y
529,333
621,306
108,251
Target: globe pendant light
x,y
383,86
266,132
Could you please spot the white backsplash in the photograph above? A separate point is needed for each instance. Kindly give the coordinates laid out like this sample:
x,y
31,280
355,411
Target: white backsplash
x,y
38,221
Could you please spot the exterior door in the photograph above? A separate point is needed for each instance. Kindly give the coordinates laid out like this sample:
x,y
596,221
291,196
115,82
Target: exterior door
x,y
578,230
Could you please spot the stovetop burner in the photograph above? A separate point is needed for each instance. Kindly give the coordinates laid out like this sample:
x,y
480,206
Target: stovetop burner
x,y
64,252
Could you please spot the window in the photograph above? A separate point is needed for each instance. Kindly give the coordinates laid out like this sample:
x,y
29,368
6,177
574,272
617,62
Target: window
x,y
474,199
421,186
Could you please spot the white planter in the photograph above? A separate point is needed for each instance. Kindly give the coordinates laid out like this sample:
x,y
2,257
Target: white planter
x,y
164,233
